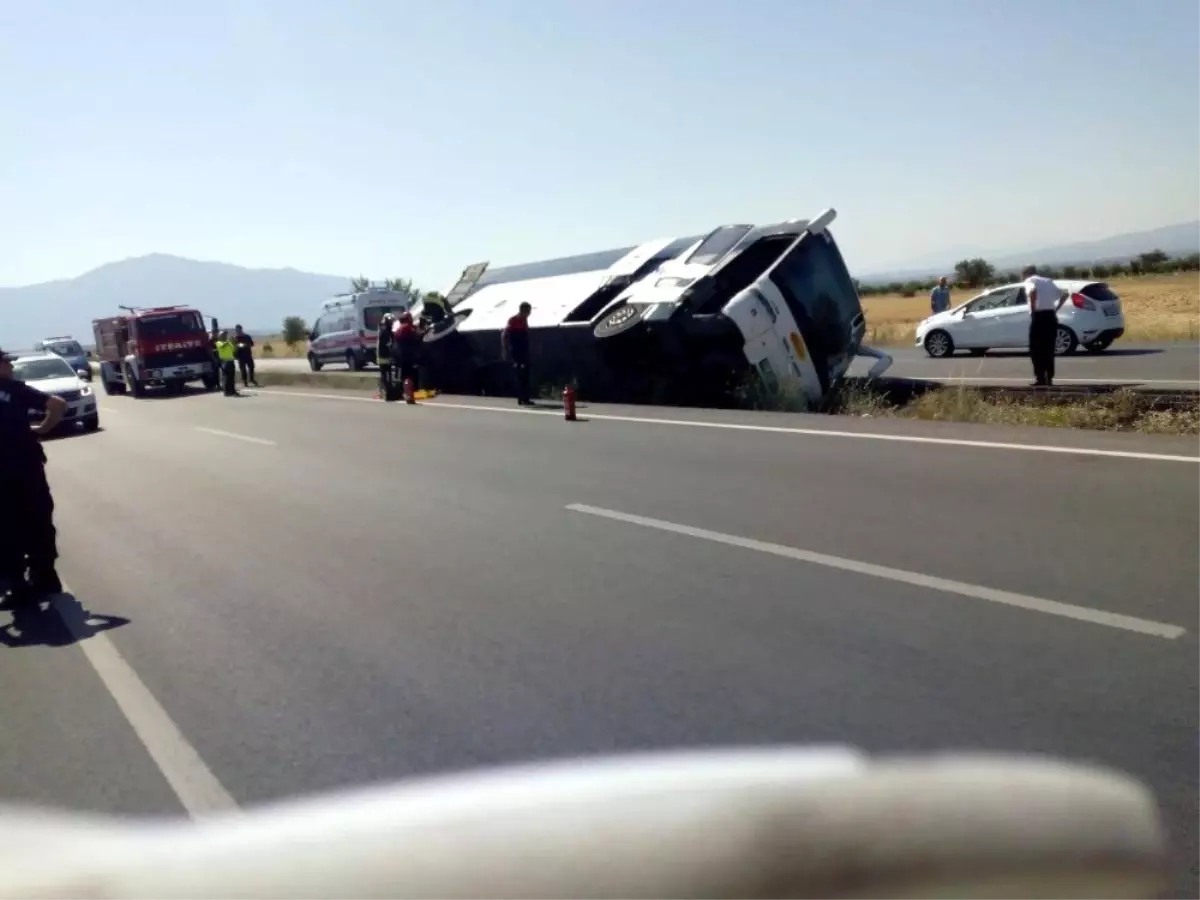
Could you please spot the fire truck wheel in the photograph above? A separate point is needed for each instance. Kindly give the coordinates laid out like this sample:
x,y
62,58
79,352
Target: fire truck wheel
x,y
135,387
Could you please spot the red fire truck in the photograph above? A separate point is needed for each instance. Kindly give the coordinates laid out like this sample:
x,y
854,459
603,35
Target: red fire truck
x,y
166,346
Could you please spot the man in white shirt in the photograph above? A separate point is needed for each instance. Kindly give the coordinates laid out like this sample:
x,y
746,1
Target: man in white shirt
x,y
1044,300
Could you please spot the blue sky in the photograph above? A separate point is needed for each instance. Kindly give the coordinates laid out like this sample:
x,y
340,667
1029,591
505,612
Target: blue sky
x,y
405,138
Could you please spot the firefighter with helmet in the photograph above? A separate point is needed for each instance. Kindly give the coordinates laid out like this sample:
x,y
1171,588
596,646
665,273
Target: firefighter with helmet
x,y
406,348
383,353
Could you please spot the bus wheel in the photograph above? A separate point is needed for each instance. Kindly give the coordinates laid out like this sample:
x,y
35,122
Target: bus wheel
x,y
620,320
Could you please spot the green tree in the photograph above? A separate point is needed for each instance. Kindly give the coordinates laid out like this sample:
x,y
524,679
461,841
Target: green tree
x,y
400,285
1100,271
1070,272
1152,261
360,284
295,330
974,272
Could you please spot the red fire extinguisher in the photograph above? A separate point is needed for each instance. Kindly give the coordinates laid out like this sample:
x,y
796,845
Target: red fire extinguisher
x,y
569,403
410,394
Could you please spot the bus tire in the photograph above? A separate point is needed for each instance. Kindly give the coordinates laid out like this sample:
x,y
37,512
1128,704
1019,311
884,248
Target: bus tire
x,y
622,319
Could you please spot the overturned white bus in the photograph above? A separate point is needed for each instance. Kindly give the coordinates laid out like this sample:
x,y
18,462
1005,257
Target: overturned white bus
x,y
683,320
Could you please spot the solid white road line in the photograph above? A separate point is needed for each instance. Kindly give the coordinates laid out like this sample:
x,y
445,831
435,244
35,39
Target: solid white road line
x,y
775,429
1057,381
931,582
236,437
193,782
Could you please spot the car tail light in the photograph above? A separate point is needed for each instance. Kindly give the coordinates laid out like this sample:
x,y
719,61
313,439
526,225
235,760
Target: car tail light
x,y
1082,302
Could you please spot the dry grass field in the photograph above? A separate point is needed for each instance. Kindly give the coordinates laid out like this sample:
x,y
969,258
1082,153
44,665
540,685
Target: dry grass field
x,y
1157,308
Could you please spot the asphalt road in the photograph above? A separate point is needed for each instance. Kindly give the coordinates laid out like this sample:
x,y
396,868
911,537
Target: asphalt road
x,y
1173,367
315,592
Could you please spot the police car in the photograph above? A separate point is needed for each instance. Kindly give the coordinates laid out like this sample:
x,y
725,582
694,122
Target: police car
x,y
70,350
51,374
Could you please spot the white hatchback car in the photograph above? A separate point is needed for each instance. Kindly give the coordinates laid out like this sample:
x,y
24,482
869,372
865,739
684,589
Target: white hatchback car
x,y
51,374
1090,315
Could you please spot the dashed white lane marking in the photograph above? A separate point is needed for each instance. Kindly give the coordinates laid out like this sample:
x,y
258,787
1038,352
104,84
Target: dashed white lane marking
x,y
931,582
777,429
193,782
236,437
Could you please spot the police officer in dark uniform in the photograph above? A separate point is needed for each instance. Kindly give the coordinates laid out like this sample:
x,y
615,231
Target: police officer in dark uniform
x,y
27,532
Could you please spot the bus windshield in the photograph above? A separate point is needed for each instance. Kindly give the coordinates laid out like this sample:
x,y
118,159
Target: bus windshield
x,y
817,287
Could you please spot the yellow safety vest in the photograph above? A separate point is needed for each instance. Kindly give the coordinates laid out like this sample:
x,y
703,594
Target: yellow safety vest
x,y
225,351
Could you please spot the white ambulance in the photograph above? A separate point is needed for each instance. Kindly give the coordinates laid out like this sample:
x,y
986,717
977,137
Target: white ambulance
x,y
346,327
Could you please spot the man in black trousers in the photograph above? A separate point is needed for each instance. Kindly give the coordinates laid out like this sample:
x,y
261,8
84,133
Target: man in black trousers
x,y
1044,299
514,348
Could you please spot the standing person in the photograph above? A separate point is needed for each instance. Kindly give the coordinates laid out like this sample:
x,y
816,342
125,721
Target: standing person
x,y
383,354
514,348
408,349
27,524
1044,300
433,308
227,353
245,355
939,297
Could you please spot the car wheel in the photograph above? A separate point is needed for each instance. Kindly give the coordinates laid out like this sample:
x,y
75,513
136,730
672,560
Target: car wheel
x,y
978,351
314,363
1065,341
211,382
1098,346
622,319
353,362
939,344
91,423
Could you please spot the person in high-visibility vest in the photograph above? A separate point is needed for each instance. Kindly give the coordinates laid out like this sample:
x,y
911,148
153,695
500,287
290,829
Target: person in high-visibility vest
x,y
227,354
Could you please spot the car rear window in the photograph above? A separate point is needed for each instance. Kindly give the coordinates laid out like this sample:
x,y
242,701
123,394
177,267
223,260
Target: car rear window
x,y
1100,292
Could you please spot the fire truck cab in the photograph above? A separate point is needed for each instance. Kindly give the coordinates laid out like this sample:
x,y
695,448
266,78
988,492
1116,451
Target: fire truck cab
x,y
164,347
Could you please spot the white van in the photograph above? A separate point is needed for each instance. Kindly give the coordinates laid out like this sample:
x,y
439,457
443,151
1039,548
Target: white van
x,y
346,327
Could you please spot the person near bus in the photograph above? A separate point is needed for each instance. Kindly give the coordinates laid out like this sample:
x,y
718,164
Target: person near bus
x,y
514,348
27,533
408,349
245,355
383,353
434,309
227,353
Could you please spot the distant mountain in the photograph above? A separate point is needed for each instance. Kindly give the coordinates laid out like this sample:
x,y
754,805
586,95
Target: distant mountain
x,y
257,298
1175,240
